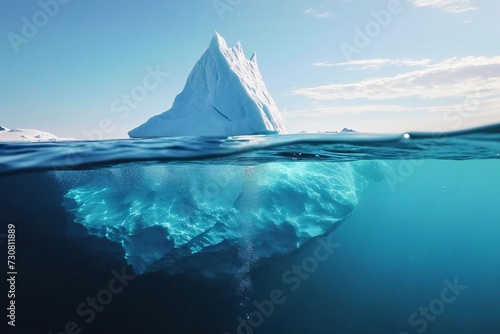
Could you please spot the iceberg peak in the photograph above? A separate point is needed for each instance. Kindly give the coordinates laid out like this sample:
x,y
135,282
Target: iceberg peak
x,y
239,47
253,58
218,42
224,95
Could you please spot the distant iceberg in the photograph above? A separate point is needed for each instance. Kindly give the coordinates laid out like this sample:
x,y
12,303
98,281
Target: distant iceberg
x,y
30,135
224,95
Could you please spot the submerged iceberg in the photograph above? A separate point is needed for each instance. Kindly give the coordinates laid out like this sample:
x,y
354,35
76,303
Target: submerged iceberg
x,y
210,220
224,95
218,220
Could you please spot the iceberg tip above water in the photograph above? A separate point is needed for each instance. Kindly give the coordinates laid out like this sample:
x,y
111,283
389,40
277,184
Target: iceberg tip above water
x,y
224,95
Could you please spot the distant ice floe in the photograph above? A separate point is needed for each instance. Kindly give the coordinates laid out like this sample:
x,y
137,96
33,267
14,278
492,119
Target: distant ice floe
x,y
27,135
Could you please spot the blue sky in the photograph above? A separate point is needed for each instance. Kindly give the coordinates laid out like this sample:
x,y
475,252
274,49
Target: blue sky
x,y
375,66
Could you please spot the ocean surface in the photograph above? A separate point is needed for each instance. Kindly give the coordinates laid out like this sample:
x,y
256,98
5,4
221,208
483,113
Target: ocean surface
x,y
415,250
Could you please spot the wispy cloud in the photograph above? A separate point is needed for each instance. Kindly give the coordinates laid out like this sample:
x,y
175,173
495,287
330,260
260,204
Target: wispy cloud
x,y
447,6
357,109
455,77
320,14
375,64
487,106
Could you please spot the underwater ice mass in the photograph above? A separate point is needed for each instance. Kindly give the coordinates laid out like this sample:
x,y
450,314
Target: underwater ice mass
x,y
210,220
213,220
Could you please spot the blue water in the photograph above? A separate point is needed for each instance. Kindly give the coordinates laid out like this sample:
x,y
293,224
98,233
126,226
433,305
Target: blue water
x,y
418,253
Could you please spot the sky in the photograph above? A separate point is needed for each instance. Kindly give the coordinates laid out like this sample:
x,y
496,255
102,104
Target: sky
x,y
380,66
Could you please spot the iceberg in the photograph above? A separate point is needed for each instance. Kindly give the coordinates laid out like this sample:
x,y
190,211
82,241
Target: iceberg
x,y
224,95
214,220
209,221
27,135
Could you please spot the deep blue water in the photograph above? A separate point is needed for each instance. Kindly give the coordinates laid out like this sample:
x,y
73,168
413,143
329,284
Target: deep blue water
x,y
419,253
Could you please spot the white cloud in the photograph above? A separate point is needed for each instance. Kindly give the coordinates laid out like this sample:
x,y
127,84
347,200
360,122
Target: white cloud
x,y
318,14
471,112
486,105
375,64
358,109
455,77
447,6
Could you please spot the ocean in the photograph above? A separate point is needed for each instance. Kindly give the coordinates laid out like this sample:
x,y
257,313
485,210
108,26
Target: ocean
x,y
92,240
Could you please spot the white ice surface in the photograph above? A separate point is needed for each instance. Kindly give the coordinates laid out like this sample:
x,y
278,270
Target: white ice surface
x,y
224,95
